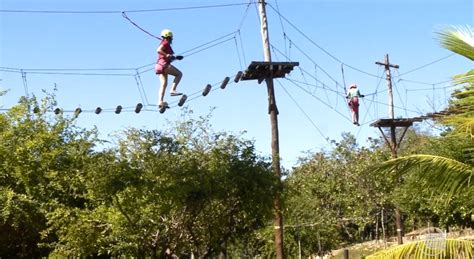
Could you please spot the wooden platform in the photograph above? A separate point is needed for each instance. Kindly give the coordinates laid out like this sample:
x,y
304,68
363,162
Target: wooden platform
x,y
260,70
402,122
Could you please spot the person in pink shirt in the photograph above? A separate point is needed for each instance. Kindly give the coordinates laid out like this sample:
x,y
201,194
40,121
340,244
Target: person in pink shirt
x,y
163,67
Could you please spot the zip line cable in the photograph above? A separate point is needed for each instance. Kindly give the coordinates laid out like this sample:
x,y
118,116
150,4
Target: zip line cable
x,y
430,89
238,53
343,79
207,43
195,49
310,73
195,52
136,76
25,83
343,96
425,65
314,62
425,83
45,72
198,94
337,59
80,74
315,76
210,46
398,107
315,44
345,86
282,27
70,69
302,71
364,122
315,86
132,108
59,71
139,81
303,34
302,111
124,15
319,99
242,47
117,11
400,98
374,94
139,89
244,16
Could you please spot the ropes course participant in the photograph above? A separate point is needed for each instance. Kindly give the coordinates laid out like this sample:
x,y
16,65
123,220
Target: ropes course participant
x,y
163,67
353,95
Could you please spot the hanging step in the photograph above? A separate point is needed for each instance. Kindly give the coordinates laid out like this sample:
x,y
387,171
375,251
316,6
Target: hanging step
x,y
238,76
118,109
182,100
77,111
206,90
225,82
138,108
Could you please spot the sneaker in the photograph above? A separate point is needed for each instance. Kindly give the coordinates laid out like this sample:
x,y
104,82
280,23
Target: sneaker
x,y
175,94
163,105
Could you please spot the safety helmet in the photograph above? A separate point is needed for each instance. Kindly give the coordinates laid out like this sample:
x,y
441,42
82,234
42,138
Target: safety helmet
x,y
352,86
166,33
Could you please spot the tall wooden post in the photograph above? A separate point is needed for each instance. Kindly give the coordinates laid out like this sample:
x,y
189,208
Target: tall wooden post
x,y
393,143
387,66
273,111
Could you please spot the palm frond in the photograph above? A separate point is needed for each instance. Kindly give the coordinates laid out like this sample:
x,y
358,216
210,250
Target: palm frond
x,y
467,78
464,125
440,248
458,39
461,110
448,175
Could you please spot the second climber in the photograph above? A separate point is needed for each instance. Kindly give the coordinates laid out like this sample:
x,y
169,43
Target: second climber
x,y
353,95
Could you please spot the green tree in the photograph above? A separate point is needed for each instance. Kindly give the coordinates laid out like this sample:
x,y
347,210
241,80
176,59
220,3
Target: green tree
x,y
41,162
186,190
331,200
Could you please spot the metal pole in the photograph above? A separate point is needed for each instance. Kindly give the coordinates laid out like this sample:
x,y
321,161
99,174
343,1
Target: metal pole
x,y
272,109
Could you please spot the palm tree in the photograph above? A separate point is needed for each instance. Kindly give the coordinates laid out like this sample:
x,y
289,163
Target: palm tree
x,y
460,40
434,249
445,174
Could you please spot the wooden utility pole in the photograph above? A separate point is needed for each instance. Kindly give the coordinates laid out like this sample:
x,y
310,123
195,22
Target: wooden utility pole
x,y
393,143
387,66
266,71
272,109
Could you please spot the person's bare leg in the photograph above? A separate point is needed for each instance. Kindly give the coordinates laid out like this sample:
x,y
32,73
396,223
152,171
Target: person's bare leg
x,y
164,83
172,70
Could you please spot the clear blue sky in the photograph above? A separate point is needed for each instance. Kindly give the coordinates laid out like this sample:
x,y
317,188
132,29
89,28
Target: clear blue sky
x,y
319,34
